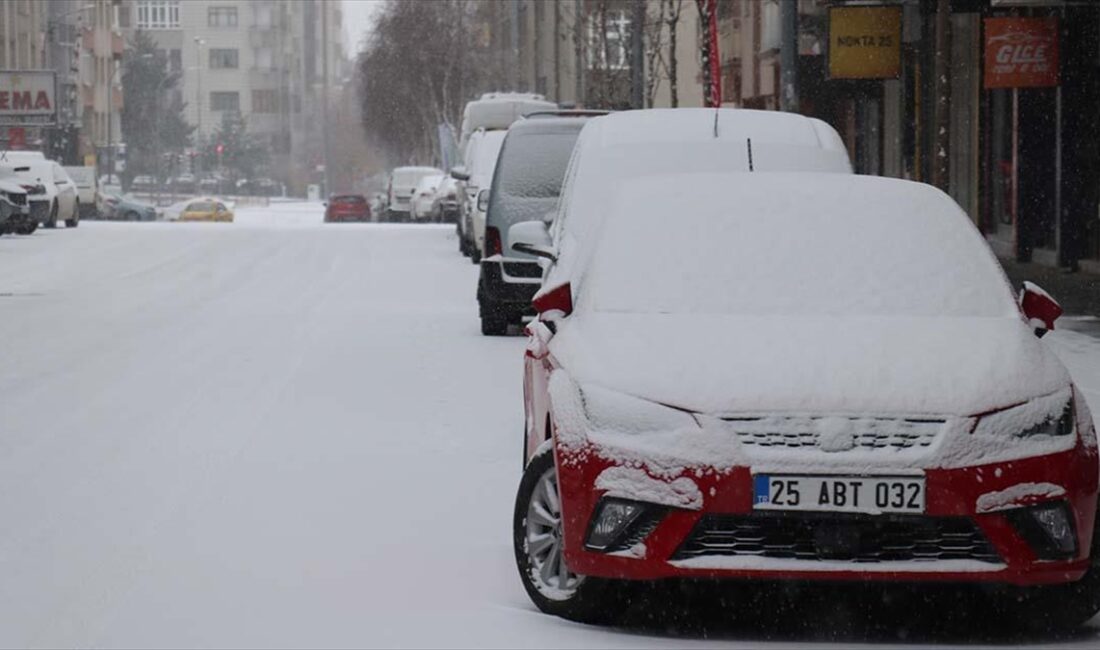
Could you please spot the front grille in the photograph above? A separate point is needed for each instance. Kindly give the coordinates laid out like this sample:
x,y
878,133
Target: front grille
x,y
852,538
17,199
868,433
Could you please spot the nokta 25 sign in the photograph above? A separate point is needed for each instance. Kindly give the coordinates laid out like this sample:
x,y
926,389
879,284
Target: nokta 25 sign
x,y
864,42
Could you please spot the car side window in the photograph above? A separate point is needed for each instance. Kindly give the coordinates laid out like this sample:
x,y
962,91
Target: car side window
x,y
563,198
221,208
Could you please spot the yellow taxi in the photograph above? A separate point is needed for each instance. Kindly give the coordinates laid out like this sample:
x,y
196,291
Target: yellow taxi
x,y
206,210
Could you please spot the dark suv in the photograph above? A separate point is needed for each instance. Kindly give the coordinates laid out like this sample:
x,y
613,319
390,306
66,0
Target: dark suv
x,y
525,187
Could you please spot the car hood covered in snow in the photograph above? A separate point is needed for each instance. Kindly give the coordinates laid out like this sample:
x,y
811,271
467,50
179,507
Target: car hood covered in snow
x,y
720,364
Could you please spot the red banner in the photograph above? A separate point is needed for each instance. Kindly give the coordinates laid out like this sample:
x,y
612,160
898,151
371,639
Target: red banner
x,y
1021,52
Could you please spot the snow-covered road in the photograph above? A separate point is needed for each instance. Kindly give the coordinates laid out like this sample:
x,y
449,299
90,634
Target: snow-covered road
x,y
280,433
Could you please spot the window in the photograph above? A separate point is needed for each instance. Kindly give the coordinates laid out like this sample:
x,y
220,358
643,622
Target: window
x,y
265,101
608,40
223,59
158,14
221,16
225,101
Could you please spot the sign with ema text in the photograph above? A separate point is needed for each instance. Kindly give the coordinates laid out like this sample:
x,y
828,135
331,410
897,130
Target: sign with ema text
x,y
864,42
27,97
1021,52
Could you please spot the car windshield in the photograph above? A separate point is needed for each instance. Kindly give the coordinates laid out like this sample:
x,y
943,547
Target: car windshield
x,y
545,157
201,206
828,246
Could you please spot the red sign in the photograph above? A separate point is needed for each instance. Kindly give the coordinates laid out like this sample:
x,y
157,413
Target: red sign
x,y
1021,52
17,138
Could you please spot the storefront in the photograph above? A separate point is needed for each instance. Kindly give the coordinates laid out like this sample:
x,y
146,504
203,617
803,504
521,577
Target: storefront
x,y
1040,131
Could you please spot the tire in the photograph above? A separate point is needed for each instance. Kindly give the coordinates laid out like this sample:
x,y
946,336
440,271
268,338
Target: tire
x,y
133,216
475,254
72,223
51,221
584,599
1056,608
494,326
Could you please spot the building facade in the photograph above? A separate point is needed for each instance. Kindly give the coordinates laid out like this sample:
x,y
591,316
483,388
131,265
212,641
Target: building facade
x,y
269,61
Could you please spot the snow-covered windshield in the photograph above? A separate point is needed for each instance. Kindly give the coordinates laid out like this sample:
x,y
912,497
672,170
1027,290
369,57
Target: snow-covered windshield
x,y
541,161
791,244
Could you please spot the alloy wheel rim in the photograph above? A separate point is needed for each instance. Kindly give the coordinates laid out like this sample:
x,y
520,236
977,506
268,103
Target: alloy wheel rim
x,y
543,541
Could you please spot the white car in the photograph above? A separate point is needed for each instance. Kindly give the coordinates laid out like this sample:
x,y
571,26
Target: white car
x,y
52,194
420,208
403,182
86,189
476,176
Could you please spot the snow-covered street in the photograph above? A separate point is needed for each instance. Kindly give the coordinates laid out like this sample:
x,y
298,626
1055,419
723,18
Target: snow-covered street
x,y
277,432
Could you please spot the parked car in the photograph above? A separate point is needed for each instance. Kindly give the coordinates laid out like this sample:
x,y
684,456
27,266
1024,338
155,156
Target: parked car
x,y
125,207
13,201
475,177
403,183
207,209
86,190
832,382
525,186
51,193
420,207
445,201
347,207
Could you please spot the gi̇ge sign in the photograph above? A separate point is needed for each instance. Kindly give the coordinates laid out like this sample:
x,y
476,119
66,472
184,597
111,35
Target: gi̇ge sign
x,y
1021,52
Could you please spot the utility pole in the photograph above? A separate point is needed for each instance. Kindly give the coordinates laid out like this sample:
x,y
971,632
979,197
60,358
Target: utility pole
x,y
324,96
637,56
941,154
198,102
788,55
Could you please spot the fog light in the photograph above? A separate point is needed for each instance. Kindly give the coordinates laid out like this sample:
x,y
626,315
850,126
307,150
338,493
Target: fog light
x,y
1048,528
613,518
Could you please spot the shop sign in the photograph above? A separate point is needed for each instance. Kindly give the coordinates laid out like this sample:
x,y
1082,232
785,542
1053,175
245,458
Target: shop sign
x,y
27,97
1021,52
864,42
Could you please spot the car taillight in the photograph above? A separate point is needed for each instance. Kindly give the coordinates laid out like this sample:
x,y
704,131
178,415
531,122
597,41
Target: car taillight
x,y
493,245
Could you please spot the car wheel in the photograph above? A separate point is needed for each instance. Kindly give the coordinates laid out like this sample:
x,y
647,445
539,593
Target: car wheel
x,y
51,221
475,254
75,221
537,542
28,228
133,216
494,326
1058,607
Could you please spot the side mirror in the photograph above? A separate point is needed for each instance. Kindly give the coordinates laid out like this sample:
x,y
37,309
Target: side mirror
x,y
460,174
483,200
325,204
533,238
1039,308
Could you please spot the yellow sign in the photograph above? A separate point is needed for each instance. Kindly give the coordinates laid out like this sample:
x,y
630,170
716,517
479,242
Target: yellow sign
x,y
864,42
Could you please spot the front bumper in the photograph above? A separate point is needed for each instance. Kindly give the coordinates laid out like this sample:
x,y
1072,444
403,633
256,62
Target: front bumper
x,y
981,547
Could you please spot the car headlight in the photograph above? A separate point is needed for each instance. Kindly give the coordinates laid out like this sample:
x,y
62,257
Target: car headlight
x,y
609,410
1050,415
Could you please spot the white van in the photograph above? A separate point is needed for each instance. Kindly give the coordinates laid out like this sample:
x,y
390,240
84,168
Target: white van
x,y
494,111
403,183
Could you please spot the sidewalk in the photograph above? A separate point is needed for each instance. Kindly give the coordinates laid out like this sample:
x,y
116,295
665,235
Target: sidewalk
x,y
1078,293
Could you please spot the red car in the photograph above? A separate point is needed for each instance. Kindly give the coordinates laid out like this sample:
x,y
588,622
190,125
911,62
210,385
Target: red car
x,y
832,381
347,207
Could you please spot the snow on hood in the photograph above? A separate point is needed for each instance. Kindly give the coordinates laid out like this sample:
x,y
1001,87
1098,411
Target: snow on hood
x,y
721,364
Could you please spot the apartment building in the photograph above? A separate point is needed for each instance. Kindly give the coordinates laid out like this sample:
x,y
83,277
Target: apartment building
x,y
23,34
263,59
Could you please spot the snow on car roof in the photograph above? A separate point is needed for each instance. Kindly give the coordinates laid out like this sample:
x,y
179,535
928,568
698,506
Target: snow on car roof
x,y
699,124
786,244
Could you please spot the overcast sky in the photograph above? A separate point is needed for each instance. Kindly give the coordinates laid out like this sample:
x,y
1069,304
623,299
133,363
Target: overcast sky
x,y
357,20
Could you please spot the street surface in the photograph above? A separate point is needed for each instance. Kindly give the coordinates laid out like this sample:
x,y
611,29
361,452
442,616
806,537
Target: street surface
x,y
283,433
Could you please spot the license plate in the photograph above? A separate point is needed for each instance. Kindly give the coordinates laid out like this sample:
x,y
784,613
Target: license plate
x,y
866,494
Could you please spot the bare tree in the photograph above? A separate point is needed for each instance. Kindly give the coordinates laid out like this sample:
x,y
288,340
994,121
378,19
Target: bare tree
x,y
672,19
420,65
